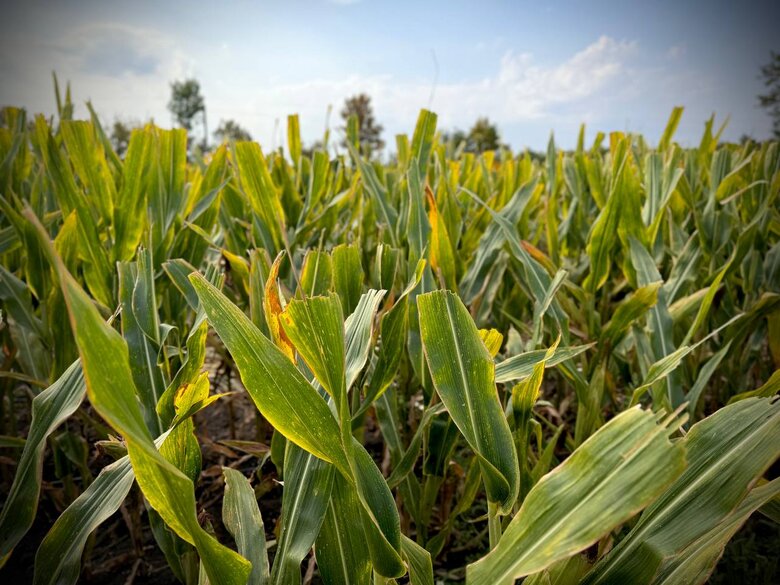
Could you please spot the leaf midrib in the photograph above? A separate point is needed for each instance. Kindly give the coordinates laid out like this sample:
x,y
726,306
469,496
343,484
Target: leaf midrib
x,y
712,469
640,448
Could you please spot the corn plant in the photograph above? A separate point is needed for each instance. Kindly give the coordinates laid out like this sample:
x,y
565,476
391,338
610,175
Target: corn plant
x,y
570,361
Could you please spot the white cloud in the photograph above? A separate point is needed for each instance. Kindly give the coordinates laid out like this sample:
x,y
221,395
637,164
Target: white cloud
x,y
126,72
520,90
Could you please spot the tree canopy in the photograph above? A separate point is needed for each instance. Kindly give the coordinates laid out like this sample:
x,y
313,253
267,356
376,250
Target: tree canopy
x,y
770,73
369,131
186,104
231,130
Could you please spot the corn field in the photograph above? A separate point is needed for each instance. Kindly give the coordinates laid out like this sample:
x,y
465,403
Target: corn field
x,y
462,367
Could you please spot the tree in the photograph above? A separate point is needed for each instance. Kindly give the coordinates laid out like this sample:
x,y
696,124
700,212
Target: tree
x,y
369,132
770,74
120,135
483,136
231,130
455,137
186,104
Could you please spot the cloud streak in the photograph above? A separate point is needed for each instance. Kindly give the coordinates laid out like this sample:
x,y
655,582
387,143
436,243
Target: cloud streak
x,y
520,90
126,72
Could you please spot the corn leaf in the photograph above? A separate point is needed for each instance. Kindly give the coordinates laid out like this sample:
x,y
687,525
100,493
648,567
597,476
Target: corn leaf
x,y
278,389
49,410
342,554
307,488
129,216
464,376
519,367
418,560
696,563
618,471
347,276
316,328
58,560
359,328
111,391
727,451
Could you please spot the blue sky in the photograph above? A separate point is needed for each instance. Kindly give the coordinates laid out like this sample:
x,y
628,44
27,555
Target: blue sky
x,y
531,67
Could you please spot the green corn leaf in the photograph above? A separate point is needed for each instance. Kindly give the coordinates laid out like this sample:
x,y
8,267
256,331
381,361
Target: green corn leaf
x,y
111,391
129,216
464,376
534,275
49,410
619,470
89,162
259,269
565,572
21,232
260,190
353,130
706,303
521,366
307,487
181,447
59,557
768,389
387,417
378,193
659,321
315,326
441,253
347,276
242,519
629,311
492,241
727,452
357,336
359,328
381,523
671,126
342,554
192,364
705,373
278,389
26,329
417,228
541,306
393,330
58,560
418,560
663,367
178,270
17,302
406,464
166,197
97,269
294,138
695,564
422,141
605,229
524,397
317,273
140,328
